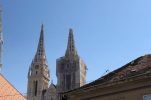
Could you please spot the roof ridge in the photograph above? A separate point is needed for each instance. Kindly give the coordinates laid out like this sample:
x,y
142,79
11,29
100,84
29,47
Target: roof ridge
x,y
11,85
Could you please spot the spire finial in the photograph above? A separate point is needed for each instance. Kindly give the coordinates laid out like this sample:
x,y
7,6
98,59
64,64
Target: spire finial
x,y
71,50
42,26
42,31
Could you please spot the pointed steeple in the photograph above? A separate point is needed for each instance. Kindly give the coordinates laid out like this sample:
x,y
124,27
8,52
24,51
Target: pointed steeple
x,y
40,54
71,51
38,75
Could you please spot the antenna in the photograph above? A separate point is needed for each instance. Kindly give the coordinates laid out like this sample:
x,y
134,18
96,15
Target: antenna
x,y
106,71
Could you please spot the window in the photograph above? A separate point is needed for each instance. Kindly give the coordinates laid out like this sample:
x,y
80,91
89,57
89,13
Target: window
x,y
36,67
35,88
147,97
36,72
73,80
68,82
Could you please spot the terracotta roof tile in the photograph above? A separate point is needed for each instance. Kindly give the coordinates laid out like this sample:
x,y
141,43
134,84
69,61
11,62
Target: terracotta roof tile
x,y
134,68
8,92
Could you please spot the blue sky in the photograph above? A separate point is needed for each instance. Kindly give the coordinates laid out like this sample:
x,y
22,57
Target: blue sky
x,y
108,34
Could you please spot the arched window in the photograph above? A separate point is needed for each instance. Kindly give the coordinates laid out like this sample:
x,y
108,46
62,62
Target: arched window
x,y
35,87
36,72
68,82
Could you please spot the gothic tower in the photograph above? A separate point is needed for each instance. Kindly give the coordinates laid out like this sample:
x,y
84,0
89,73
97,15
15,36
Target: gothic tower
x,y
71,70
1,39
38,75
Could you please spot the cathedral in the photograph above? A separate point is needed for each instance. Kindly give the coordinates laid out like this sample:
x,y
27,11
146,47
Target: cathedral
x,y
70,72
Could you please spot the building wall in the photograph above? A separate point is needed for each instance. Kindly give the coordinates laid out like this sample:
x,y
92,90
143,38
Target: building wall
x,y
129,95
70,74
134,90
51,93
42,84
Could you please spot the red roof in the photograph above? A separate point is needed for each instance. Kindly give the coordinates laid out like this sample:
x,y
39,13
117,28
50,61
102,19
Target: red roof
x,y
134,69
8,92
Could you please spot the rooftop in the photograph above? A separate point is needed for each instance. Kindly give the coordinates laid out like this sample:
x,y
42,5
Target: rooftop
x,y
8,91
136,68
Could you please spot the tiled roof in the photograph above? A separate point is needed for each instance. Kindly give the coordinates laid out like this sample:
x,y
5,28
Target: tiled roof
x,y
8,92
135,68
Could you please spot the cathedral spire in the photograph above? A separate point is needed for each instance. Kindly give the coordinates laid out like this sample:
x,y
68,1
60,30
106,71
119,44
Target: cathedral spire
x,y
71,50
40,54
38,75
67,74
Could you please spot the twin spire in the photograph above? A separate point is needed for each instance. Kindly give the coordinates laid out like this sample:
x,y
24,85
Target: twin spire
x,y
40,54
71,51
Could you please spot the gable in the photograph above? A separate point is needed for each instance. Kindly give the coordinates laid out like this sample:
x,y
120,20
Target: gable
x,y
8,92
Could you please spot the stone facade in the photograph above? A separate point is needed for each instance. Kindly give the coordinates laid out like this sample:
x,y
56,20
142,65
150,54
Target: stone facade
x,y
51,93
71,70
38,75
